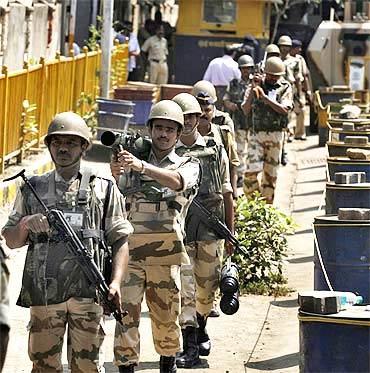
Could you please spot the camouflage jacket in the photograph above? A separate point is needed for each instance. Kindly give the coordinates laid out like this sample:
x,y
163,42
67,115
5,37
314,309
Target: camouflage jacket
x,y
158,213
223,136
215,181
52,273
235,93
264,118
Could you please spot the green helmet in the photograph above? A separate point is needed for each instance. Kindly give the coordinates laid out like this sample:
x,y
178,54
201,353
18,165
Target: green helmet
x,y
274,66
272,48
68,123
188,103
205,90
245,61
285,40
167,109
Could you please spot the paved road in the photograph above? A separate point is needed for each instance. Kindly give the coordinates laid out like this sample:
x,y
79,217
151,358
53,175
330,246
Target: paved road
x,y
263,335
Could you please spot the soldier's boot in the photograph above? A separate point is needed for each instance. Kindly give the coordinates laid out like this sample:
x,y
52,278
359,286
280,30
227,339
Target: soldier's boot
x,y
184,343
204,342
167,364
190,355
126,368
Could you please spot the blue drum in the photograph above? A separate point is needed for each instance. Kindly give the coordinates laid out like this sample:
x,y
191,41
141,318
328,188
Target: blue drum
x,y
335,343
345,251
345,164
346,195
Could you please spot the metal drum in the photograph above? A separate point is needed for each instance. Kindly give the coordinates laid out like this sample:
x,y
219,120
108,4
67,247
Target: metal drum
x,y
338,134
339,149
335,343
345,251
346,195
345,164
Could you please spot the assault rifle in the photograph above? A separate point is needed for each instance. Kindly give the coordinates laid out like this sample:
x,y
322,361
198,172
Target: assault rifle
x,y
218,226
66,233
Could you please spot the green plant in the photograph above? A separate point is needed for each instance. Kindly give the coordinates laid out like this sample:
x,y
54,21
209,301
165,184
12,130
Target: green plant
x,y
95,34
87,107
262,230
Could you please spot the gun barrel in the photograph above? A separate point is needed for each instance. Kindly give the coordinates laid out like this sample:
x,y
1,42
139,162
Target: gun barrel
x,y
108,138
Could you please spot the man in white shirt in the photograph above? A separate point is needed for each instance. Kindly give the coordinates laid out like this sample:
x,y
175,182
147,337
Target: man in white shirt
x,y
221,71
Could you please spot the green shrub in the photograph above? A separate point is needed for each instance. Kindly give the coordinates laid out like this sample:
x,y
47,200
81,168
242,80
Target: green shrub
x,y
262,230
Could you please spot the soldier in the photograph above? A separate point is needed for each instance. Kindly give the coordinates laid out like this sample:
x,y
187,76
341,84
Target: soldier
x,y
4,307
305,92
200,279
272,50
233,99
268,100
156,248
54,286
222,127
293,74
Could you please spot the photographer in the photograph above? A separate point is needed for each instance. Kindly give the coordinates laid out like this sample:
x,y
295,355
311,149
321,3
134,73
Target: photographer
x,y
268,99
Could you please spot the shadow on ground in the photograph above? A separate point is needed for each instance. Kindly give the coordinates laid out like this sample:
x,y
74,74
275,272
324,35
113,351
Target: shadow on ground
x,y
281,363
289,303
304,259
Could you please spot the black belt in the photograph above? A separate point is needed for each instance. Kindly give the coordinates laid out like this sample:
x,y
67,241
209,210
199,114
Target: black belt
x,y
157,61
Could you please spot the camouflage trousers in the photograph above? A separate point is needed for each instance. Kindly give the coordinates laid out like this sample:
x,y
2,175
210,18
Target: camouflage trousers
x,y
200,280
264,150
242,149
161,285
47,328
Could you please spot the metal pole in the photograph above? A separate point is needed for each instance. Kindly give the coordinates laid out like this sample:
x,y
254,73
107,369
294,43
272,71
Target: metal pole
x,y
106,46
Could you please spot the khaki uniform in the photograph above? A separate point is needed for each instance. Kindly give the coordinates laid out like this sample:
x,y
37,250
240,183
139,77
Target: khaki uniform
x,y
156,252
265,140
199,280
299,106
157,56
235,93
53,286
294,76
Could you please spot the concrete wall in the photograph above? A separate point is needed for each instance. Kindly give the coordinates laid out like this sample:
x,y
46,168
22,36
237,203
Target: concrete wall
x,y
39,32
15,33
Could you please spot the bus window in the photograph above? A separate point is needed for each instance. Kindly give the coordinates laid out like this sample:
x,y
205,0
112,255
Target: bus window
x,y
219,11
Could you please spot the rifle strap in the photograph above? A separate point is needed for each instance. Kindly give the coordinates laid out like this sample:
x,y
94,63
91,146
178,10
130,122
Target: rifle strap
x,y
106,203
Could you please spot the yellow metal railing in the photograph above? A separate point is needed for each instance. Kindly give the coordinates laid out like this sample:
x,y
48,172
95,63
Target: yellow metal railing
x,y
49,88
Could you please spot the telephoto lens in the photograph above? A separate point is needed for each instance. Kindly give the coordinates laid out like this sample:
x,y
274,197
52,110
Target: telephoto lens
x,y
229,303
229,287
229,282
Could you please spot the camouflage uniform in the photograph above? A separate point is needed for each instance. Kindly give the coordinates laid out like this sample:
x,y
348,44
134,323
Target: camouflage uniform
x,y
156,253
199,280
235,93
265,139
53,286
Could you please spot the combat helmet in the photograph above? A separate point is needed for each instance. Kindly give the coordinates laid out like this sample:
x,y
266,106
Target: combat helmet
x,y
205,91
245,61
188,103
166,109
272,48
68,123
274,66
285,40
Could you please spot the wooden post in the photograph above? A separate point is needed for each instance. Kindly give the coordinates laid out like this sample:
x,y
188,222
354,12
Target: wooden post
x,y
56,111
72,103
